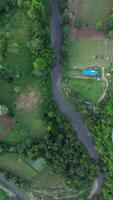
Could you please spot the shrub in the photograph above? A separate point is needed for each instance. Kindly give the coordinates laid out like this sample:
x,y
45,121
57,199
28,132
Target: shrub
x,y
100,25
110,34
111,21
78,23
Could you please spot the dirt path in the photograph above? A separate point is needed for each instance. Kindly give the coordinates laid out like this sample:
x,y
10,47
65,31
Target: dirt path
x,y
103,78
86,33
80,129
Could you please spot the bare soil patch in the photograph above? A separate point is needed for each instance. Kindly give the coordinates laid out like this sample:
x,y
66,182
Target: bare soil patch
x,y
27,100
6,123
86,33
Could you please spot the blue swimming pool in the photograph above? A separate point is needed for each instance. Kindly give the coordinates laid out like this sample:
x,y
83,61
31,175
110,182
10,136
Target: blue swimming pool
x,y
89,72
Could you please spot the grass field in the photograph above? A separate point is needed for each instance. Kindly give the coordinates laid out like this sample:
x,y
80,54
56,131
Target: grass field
x,y
28,123
92,10
88,89
82,52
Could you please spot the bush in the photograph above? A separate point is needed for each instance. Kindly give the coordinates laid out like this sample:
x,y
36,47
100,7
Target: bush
x,y
100,25
78,23
111,21
110,34
3,195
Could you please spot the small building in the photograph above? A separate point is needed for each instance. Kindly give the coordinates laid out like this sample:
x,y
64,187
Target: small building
x,y
90,72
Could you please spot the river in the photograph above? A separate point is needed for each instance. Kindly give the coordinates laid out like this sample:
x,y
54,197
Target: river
x,y
63,105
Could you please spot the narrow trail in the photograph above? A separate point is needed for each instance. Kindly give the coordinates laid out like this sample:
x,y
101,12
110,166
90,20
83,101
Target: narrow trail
x,y
56,75
107,84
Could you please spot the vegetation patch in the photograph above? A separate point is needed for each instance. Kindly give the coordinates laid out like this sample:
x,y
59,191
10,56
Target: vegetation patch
x,y
4,196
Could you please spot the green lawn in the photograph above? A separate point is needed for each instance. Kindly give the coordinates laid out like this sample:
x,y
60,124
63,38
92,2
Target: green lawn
x,y
92,10
82,52
88,89
19,58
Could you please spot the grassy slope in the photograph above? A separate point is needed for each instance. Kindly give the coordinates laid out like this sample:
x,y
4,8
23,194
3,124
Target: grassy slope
x,y
18,28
